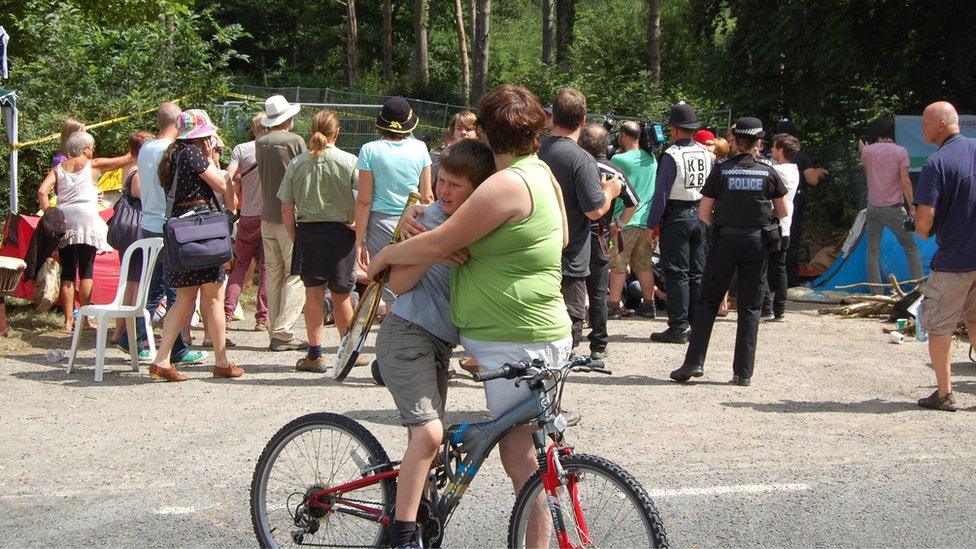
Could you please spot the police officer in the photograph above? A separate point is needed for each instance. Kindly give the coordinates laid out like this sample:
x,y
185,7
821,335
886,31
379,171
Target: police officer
x,y
743,199
681,172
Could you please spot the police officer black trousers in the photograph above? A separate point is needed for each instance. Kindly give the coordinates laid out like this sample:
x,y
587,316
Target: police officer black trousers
x,y
731,250
682,259
596,288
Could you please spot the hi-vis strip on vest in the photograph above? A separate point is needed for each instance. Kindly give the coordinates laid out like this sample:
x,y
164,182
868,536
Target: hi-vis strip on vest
x,y
693,163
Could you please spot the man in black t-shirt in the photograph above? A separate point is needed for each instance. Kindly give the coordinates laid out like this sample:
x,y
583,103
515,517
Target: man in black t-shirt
x,y
743,199
586,196
595,139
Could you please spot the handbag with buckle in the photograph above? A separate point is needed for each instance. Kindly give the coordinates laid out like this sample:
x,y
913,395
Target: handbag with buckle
x,y
125,225
197,239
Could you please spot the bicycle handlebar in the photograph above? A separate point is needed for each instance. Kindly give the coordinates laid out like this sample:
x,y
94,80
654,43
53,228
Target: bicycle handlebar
x,y
518,369
505,371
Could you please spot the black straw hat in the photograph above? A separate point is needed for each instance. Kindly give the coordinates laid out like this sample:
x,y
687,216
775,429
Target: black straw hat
x,y
397,116
748,126
683,116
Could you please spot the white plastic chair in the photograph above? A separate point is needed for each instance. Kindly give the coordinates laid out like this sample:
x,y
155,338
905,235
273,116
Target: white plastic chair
x,y
102,313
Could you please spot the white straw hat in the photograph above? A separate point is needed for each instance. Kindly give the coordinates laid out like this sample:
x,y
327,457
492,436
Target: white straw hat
x,y
279,110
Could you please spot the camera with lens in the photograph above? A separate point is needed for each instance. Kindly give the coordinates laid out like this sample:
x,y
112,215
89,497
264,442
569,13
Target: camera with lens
x,y
909,224
627,194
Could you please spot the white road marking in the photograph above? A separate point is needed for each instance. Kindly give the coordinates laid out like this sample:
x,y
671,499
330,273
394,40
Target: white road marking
x,y
175,510
726,490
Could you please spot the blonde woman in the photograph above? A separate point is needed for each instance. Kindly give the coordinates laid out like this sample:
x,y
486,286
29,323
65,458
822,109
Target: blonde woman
x,y
462,126
69,127
318,209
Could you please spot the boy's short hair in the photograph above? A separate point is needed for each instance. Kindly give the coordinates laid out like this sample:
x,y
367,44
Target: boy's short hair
x,y
470,159
788,144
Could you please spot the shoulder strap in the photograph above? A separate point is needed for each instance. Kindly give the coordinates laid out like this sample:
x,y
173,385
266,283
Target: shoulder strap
x,y
171,196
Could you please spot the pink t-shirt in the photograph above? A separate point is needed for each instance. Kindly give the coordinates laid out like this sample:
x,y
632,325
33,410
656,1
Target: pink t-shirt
x,y
882,166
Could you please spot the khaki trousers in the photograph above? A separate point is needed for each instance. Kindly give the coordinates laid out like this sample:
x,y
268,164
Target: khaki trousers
x,y
286,294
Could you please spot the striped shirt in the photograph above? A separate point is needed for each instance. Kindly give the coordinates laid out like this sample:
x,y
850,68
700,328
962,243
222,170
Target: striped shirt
x,y
321,188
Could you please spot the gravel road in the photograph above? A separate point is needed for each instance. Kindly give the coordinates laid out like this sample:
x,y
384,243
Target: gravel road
x,y
826,448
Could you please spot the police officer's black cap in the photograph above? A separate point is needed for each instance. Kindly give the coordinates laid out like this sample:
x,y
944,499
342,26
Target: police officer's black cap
x,y
683,116
749,127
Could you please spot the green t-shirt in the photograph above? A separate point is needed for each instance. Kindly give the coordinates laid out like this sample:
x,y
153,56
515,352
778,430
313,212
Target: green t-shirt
x,y
640,167
509,290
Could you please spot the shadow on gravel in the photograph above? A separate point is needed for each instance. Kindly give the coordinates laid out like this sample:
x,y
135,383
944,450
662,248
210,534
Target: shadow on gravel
x,y
82,376
597,379
874,406
388,417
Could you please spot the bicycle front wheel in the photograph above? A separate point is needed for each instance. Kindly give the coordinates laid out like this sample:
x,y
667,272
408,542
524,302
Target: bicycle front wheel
x,y
598,505
310,454
355,337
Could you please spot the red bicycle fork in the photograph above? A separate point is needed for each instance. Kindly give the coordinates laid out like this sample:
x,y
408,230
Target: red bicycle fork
x,y
551,481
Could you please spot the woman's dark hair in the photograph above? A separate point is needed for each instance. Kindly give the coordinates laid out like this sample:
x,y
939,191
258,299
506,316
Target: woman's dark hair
x,y
167,162
512,119
392,136
136,140
882,128
470,159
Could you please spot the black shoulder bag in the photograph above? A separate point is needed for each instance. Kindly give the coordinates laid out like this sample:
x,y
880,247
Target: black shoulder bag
x,y
195,240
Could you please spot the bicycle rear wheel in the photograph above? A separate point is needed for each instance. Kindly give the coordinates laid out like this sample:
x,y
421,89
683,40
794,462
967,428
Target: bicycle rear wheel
x,y
600,505
315,452
362,321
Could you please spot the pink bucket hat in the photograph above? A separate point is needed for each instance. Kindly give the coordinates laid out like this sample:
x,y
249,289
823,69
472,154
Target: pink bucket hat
x,y
194,124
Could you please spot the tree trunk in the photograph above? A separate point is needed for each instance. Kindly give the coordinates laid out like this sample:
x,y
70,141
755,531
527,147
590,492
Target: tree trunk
x,y
654,40
565,15
421,72
482,32
547,31
387,41
462,50
351,72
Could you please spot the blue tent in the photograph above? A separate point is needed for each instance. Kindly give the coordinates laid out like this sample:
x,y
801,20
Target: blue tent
x,y
850,267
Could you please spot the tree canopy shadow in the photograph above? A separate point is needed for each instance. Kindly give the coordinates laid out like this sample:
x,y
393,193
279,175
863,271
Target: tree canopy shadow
x,y
873,406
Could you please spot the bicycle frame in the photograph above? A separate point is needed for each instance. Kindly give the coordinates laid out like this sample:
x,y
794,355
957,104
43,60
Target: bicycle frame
x,y
475,441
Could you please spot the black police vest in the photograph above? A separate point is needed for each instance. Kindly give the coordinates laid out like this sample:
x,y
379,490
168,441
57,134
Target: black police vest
x,y
744,200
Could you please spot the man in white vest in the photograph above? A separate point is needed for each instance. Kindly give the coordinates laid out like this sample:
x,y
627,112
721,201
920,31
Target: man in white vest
x,y
681,173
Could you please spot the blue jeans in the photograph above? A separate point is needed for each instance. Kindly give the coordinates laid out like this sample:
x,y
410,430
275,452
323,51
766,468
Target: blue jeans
x,y
157,290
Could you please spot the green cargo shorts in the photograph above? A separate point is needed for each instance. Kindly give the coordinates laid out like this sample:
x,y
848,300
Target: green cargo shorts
x,y
409,356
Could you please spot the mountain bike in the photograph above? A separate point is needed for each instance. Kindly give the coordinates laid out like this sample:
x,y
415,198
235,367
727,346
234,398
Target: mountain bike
x,y
324,480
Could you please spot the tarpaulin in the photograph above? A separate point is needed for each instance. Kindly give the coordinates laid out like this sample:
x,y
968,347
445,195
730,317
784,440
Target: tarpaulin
x,y
15,243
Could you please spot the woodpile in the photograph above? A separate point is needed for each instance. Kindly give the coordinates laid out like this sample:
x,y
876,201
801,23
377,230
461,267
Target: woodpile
x,y
886,306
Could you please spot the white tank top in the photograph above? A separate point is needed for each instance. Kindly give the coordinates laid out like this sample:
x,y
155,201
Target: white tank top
x,y
693,163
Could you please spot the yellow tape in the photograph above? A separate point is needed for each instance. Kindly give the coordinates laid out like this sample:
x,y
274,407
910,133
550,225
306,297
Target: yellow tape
x,y
116,120
53,136
344,113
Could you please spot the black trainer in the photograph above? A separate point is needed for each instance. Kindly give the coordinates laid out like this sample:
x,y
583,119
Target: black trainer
x,y
646,310
935,402
670,336
687,372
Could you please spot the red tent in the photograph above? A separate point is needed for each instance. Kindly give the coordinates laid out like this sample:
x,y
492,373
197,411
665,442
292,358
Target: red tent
x,y
19,229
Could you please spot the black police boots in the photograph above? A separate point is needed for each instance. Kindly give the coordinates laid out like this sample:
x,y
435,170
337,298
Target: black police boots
x,y
687,372
670,336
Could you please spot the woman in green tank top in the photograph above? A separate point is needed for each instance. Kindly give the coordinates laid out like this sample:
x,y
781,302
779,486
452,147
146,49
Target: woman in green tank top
x,y
506,298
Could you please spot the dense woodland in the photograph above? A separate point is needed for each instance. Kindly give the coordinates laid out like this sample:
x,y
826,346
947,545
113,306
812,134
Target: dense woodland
x,y
831,66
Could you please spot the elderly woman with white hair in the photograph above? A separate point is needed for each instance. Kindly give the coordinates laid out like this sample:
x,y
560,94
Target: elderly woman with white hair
x,y
78,201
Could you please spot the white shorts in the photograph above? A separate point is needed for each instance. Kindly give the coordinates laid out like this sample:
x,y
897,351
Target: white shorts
x,y
502,394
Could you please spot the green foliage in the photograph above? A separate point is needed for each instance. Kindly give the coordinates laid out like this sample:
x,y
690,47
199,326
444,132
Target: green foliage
x,y
131,55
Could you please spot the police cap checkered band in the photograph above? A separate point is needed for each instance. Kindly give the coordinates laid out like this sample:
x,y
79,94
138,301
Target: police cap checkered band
x,y
748,126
